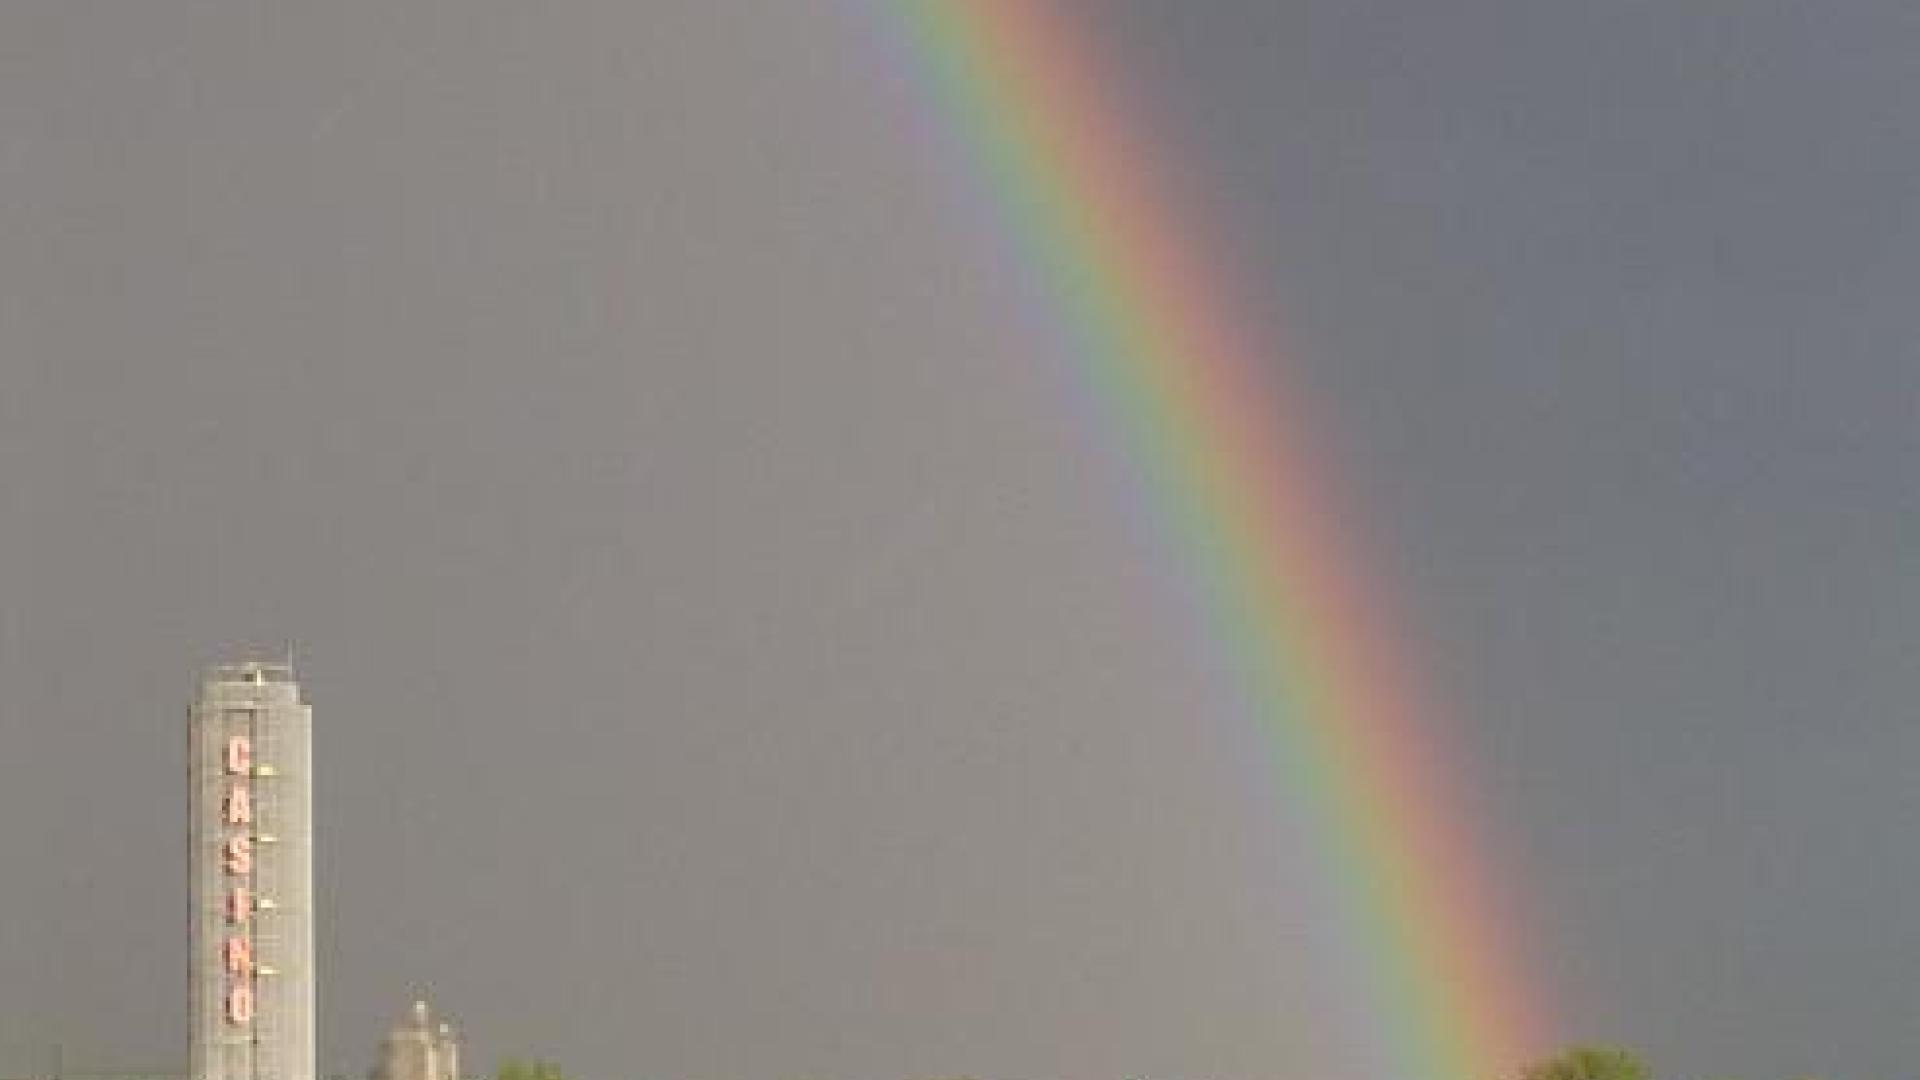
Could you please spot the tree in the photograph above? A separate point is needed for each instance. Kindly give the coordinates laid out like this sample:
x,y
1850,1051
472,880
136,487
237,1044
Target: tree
x,y
516,1069
1589,1063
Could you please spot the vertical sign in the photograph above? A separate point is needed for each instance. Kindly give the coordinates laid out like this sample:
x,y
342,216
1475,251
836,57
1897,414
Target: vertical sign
x,y
236,866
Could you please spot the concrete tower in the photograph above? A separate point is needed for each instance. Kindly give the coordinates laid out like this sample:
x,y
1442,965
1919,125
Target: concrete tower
x,y
250,837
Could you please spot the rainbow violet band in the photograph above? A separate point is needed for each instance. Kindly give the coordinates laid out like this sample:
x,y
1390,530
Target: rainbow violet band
x,y
1187,387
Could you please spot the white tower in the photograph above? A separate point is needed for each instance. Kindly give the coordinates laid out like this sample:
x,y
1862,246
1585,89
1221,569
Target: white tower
x,y
250,836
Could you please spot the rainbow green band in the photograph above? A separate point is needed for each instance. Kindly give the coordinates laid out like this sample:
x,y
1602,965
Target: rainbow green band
x,y
1187,386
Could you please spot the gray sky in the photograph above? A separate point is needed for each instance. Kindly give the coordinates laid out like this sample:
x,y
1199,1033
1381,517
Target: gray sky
x,y
731,657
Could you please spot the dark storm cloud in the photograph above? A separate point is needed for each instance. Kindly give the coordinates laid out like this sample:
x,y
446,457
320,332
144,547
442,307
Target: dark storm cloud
x,y
728,659
1611,305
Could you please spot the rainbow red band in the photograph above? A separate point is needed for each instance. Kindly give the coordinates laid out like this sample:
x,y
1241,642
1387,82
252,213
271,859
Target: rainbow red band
x,y
1186,384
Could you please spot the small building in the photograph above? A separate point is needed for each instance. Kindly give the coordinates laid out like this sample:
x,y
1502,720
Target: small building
x,y
418,1049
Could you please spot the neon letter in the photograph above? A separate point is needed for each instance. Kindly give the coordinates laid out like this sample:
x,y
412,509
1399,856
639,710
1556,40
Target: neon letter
x,y
239,856
239,805
239,755
238,954
239,905
239,1004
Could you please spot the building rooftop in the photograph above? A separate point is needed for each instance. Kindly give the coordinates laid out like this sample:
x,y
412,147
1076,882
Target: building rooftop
x,y
252,671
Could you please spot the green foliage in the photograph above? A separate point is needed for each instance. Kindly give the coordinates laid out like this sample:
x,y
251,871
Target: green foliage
x,y
516,1069
1589,1063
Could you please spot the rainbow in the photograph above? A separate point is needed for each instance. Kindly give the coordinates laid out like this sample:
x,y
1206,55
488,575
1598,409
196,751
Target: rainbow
x,y
1189,389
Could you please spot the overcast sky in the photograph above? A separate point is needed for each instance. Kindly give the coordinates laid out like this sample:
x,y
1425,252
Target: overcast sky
x,y
731,656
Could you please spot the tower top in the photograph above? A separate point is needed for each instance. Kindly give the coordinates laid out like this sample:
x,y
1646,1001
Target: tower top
x,y
252,671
